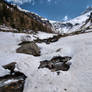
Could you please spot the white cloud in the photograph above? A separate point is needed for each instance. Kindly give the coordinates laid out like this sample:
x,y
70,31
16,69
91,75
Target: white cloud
x,y
20,1
30,1
49,0
65,18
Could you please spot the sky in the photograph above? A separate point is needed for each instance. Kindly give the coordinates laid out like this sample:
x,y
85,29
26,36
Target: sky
x,y
55,9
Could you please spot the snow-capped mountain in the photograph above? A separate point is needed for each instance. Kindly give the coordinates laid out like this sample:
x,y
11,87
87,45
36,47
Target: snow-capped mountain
x,y
46,25
87,10
29,50
73,24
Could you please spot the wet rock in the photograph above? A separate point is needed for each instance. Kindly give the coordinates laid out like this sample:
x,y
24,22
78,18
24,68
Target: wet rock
x,y
29,48
56,63
12,83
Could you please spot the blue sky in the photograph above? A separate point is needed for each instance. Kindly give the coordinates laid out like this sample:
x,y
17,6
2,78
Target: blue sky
x,y
56,9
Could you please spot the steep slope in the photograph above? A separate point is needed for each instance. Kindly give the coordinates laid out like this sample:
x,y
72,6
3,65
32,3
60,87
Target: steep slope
x,y
12,16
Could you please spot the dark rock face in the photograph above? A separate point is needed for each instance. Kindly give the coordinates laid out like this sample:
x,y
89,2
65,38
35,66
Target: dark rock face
x,y
56,63
12,83
29,48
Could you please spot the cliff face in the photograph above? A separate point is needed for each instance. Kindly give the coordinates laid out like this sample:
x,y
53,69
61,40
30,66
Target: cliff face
x,y
10,15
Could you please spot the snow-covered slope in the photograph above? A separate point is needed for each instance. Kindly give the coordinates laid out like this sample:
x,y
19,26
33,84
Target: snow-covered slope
x,y
73,24
77,79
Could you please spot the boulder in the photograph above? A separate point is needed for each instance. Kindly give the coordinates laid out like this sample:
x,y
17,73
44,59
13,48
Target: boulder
x,y
10,66
56,63
29,48
12,83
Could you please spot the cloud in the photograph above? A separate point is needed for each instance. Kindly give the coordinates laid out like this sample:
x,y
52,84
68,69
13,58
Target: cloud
x,y
49,0
31,1
65,18
20,1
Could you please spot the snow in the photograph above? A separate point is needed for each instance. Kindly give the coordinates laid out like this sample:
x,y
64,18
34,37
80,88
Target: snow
x,y
10,81
43,35
5,82
44,19
78,20
5,28
77,79
22,9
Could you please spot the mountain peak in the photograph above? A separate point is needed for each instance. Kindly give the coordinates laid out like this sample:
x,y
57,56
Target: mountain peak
x,y
87,10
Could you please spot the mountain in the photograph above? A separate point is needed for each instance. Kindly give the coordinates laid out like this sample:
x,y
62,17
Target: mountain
x,y
87,10
75,24
77,79
41,61
17,18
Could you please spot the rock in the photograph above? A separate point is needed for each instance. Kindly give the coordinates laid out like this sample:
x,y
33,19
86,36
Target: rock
x,y
24,42
43,64
29,48
62,66
49,40
10,67
60,59
90,17
76,24
65,89
12,83
56,63
58,50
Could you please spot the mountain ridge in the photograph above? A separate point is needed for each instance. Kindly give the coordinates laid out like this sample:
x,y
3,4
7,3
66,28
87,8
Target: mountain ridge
x,y
12,16
74,24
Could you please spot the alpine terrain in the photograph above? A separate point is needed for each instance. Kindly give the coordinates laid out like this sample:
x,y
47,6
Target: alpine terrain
x,y
41,55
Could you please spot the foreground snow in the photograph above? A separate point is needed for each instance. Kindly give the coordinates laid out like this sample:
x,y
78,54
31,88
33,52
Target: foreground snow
x,y
77,79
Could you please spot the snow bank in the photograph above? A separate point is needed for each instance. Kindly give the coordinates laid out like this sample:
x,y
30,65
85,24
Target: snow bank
x,y
77,79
